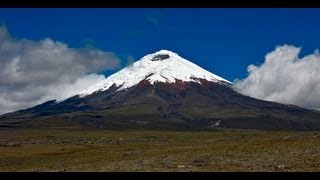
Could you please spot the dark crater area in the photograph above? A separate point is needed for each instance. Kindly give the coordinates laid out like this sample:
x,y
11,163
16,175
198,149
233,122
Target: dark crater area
x,y
160,57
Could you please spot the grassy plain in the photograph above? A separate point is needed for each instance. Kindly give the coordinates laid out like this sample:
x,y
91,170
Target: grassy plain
x,y
101,150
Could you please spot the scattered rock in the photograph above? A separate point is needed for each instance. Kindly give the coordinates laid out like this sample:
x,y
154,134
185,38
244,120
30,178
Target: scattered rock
x,y
316,136
166,162
287,138
218,124
199,162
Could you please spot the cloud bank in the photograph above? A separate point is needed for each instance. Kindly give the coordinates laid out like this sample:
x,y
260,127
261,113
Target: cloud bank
x,y
32,72
285,78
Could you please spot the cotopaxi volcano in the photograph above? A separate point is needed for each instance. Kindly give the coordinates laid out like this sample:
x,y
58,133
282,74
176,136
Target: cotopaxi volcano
x,y
164,91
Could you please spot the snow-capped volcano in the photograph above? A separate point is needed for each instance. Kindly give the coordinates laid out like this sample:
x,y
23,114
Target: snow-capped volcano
x,y
162,66
164,91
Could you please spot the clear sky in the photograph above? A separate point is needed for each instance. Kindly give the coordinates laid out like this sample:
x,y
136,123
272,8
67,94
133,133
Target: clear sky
x,y
223,41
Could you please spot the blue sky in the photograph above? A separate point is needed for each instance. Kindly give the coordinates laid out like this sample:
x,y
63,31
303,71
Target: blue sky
x,y
223,41
50,54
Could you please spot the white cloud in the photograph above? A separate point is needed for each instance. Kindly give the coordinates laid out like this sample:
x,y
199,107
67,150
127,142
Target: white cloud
x,y
285,78
32,72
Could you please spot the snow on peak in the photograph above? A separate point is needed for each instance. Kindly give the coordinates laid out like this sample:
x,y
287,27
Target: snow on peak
x,y
164,51
161,66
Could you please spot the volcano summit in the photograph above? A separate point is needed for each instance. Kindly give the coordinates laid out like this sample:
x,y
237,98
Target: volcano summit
x,y
162,66
164,91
